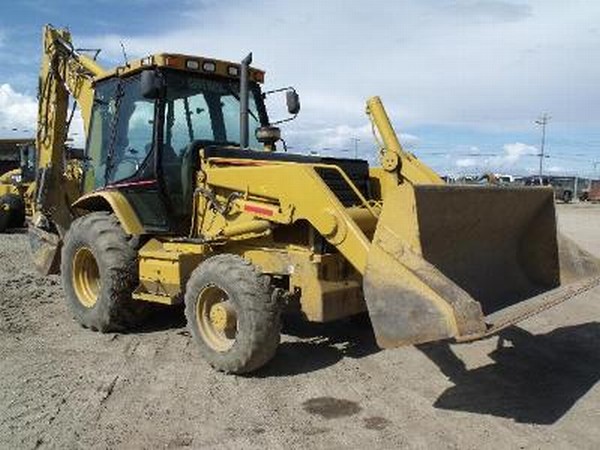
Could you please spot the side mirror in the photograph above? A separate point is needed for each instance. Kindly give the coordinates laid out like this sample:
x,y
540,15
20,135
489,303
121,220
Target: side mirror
x,y
151,84
292,100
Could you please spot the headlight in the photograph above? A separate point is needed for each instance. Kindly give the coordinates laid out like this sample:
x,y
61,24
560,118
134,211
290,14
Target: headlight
x,y
192,64
209,66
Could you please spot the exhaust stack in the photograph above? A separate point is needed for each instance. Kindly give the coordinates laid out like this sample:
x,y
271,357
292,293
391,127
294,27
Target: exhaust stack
x,y
244,132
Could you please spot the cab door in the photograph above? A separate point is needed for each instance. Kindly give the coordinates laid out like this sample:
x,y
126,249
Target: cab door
x,y
122,148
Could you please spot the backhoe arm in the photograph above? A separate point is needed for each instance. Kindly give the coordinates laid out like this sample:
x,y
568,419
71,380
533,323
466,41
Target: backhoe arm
x,y
64,72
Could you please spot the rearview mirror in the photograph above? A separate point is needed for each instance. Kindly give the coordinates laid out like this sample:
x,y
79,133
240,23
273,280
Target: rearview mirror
x,y
151,84
292,100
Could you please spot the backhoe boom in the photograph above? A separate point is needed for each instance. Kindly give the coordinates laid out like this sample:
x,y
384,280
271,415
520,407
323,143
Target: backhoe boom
x,y
64,74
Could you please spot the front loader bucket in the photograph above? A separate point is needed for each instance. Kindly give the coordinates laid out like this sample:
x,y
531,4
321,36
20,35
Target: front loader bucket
x,y
465,261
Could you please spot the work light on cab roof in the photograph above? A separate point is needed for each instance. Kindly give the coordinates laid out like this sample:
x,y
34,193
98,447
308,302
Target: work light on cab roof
x,y
197,64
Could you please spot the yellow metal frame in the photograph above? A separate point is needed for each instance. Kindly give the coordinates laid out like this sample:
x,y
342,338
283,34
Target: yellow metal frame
x,y
118,203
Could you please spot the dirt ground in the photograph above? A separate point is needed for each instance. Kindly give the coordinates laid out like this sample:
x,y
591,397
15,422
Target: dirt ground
x,y
62,386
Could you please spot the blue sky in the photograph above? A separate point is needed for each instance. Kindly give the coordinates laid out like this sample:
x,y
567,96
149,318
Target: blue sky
x,y
463,80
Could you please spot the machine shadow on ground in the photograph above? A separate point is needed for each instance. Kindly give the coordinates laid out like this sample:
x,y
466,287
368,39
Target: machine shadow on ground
x,y
535,379
305,347
319,345
22,230
162,317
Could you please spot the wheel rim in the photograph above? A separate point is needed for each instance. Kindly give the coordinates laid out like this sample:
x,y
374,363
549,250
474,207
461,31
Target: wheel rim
x,y
86,277
216,318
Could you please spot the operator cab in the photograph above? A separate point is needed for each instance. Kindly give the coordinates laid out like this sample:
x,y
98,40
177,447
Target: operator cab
x,y
141,144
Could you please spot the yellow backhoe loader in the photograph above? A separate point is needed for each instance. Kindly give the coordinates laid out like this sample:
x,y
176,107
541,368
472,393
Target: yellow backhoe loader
x,y
176,201
16,190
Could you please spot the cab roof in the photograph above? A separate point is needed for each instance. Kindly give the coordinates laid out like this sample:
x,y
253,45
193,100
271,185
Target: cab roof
x,y
186,63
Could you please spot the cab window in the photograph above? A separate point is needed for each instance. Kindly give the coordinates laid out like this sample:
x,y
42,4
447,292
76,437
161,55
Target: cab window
x,y
121,133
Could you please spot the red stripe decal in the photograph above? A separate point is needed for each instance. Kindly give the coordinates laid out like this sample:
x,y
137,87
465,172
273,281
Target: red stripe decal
x,y
258,210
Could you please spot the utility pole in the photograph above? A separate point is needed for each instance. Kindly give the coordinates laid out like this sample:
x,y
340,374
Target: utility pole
x,y
543,121
356,140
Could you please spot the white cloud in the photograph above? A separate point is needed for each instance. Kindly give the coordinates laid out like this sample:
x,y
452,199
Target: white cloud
x,y
514,152
342,136
511,158
466,162
556,169
18,112
18,117
342,140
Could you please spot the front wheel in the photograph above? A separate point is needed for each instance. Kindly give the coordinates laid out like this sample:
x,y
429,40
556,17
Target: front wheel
x,y
232,314
99,273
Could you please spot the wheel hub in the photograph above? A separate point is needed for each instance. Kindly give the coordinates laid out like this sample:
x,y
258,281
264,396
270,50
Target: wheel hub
x,y
223,316
216,318
86,277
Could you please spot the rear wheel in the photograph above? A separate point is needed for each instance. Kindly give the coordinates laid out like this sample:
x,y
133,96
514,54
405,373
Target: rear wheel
x,y
232,314
99,273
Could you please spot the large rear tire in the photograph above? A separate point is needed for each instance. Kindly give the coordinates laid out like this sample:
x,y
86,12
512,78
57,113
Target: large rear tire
x,y
232,314
99,273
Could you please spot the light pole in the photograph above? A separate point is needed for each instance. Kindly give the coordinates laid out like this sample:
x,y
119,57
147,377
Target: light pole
x,y
356,141
543,121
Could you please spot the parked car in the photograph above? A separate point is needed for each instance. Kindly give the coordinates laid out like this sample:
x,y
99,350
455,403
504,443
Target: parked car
x,y
564,187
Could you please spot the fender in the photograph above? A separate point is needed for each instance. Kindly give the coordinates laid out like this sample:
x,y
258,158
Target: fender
x,y
116,202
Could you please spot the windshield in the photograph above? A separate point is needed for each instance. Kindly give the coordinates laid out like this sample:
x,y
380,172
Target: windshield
x,y
206,109
200,109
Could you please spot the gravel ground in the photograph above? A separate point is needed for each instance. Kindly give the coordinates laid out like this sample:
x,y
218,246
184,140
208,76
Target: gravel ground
x,y
62,386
